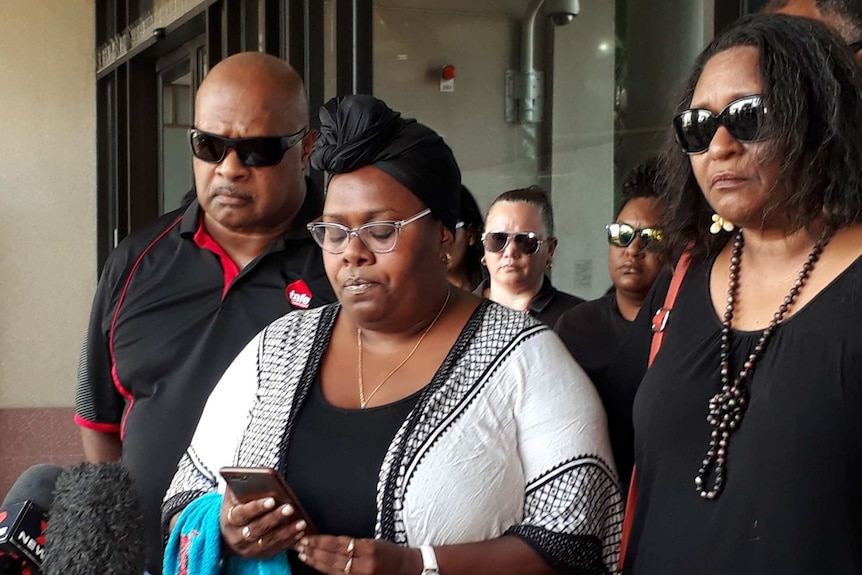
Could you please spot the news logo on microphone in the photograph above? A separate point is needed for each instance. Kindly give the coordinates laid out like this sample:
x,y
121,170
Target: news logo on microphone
x,y
22,536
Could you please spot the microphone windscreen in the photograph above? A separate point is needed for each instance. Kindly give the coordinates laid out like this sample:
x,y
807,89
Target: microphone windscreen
x,y
95,523
35,485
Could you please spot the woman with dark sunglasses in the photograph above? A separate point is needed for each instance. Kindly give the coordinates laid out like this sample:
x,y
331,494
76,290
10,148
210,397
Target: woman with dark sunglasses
x,y
594,331
423,429
748,425
519,248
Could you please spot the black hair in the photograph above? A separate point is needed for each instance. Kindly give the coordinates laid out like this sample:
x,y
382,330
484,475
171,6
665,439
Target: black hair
x,y
813,91
471,215
850,11
640,182
534,196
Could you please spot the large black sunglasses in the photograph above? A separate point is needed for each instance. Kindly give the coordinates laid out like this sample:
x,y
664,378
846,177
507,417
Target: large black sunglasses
x,y
622,235
253,152
743,118
526,242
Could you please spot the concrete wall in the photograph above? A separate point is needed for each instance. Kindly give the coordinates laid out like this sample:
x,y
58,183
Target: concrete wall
x,y
47,196
47,223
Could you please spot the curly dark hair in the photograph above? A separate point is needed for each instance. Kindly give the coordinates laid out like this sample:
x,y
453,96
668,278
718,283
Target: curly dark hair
x,y
534,196
813,91
640,182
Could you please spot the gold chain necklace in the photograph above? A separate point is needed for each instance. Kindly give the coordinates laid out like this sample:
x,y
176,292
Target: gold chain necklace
x,y
363,401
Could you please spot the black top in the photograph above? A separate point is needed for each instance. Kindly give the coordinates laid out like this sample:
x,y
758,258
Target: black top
x,y
169,318
334,460
593,332
546,306
792,502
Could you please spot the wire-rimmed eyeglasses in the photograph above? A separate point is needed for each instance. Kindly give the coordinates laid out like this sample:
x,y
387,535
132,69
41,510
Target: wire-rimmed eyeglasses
x,y
379,237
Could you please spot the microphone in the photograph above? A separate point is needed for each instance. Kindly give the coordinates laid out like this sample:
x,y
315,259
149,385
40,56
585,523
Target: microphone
x,y
95,524
22,520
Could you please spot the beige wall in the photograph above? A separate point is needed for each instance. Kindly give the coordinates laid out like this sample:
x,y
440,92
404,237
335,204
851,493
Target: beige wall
x,y
47,196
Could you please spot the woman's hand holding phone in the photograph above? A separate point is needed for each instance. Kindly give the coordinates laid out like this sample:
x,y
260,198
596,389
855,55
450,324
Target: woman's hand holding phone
x,y
256,525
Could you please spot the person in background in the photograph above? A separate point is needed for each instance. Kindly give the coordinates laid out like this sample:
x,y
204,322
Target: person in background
x,y
465,257
424,429
594,331
843,16
748,434
519,247
178,300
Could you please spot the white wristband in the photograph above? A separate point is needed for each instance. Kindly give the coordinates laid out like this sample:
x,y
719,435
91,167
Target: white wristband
x,y
429,558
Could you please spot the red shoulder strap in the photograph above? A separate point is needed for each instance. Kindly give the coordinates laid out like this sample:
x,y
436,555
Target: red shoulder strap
x,y
659,322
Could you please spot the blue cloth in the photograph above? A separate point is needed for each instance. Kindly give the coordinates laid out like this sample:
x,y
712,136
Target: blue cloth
x,y
194,547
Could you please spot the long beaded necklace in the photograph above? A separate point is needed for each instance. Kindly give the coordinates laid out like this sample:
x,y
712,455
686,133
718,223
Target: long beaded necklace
x,y
363,401
727,407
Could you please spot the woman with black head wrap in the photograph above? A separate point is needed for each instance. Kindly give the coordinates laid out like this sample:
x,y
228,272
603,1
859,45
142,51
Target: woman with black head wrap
x,y
421,427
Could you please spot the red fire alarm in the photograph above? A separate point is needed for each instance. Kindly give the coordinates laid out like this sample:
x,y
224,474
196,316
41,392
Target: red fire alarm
x,y
447,78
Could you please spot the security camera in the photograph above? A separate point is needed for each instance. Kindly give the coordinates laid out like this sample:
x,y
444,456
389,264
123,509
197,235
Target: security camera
x,y
561,12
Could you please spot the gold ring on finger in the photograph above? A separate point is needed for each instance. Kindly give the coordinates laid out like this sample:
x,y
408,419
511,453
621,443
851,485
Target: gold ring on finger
x,y
260,541
230,514
246,533
348,565
350,547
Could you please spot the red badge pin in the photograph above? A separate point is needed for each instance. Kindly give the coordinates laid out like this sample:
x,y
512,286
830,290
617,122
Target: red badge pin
x,y
298,294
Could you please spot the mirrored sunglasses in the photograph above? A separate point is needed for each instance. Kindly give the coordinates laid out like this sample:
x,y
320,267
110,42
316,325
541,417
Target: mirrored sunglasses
x,y
253,152
379,237
695,128
525,242
622,235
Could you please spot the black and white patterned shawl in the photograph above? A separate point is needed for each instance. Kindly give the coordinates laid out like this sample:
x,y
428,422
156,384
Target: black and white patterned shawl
x,y
571,508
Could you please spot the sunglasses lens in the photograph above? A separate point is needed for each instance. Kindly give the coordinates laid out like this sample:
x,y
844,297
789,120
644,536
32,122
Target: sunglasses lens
x,y
207,148
260,151
526,243
743,119
620,235
495,241
650,235
694,130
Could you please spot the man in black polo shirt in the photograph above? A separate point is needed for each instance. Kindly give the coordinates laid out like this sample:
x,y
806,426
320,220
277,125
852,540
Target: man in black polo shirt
x,y
179,300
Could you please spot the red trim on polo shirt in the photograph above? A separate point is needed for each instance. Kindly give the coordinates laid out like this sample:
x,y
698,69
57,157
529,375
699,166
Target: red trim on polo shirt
x,y
114,375
103,427
204,240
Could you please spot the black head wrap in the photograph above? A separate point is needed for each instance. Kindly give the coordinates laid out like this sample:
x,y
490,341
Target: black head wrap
x,y
358,131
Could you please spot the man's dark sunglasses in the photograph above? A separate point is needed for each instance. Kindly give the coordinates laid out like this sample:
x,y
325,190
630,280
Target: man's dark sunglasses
x,y
622,235
743,118
253,152
526,242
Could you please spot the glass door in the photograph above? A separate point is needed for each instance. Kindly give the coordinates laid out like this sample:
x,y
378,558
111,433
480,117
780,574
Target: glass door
x,y
179,74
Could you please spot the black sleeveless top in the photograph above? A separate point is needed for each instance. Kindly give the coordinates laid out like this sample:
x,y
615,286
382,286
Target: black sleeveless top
x,y
792,501
333,462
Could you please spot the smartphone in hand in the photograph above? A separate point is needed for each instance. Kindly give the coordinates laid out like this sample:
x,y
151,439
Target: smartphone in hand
x,y
250,483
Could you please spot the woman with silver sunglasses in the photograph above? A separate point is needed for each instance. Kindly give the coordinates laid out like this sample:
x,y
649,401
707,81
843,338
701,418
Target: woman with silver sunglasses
x,y
519,248
594,331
